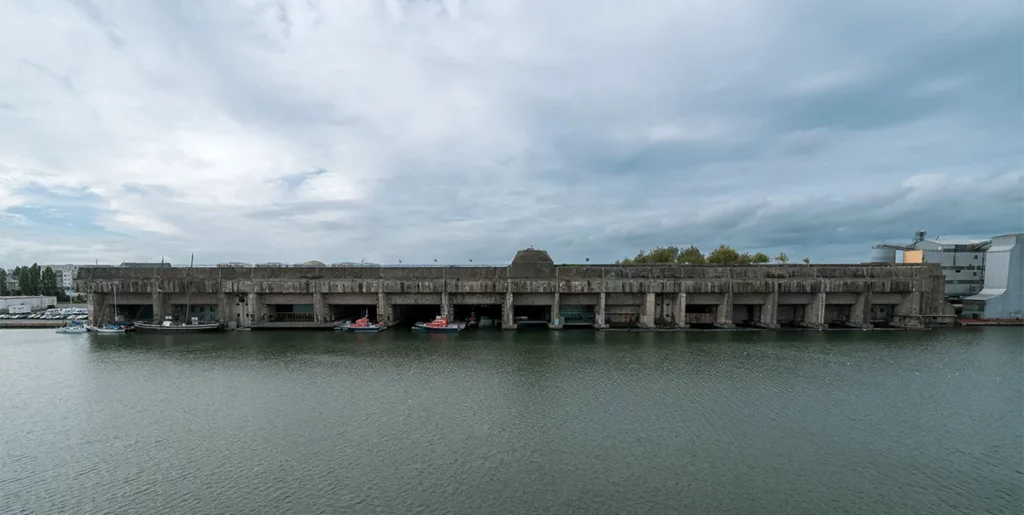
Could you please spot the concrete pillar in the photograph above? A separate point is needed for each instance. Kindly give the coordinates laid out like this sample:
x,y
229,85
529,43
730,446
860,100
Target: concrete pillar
x,y
647,311
253,310
679,313
508,319
814,313
723,315
320,315
225,310
599,312
908,311
98,314
860,313
555,315
160,306
770,310
384,311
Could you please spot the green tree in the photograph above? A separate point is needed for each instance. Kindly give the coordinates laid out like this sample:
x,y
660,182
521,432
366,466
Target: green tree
x,y
3,283
30,279
25,281
663,255
35,274
724,255
691,256
48,283
658,256
807,260
16,274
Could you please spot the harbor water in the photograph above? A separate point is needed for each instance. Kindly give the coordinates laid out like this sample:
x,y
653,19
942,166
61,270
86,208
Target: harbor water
x,y
560,422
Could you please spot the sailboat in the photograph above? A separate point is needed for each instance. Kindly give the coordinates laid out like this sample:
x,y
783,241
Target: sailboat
x,y
169,325
113,328
71,326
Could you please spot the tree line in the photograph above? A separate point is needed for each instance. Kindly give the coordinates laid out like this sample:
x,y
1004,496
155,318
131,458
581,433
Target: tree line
x,y
723,255
33,280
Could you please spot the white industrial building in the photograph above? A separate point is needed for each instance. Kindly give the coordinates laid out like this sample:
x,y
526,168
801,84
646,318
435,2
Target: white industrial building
x,y
983,276
1003,293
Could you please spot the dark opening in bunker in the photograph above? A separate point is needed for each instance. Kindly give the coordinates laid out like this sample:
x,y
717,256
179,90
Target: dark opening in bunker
x,y
202,312
882,314
790,315
133,312
746,315
532,316
701,316
838,315
621,316
350,312
290,312
577,316
485,315
405,315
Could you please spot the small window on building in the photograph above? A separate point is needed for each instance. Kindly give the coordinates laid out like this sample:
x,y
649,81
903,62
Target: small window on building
x,y
202,309
958,271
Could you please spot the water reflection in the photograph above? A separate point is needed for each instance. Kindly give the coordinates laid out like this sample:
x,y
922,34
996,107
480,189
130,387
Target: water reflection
x,y
530,422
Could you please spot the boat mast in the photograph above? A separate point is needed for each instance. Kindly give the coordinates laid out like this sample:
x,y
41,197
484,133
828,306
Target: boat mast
x,y
188,289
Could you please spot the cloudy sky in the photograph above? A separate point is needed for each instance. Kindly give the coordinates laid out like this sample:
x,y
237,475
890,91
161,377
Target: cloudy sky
x,y
251,130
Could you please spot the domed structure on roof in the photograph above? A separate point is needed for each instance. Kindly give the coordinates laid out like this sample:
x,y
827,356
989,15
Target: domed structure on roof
x,y
312,262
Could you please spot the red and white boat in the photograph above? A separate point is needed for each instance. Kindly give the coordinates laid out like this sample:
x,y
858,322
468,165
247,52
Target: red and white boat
x,y
439,325
363,325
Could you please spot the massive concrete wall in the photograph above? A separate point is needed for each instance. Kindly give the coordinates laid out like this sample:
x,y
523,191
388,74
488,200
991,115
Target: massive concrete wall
x,y
657,294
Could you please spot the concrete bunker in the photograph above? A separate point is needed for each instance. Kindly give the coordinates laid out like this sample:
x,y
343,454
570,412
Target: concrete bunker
x,y
839,309
350,306
133,312
884,309
288,307
623,310
532,310
290,313
202,312
751,309
130,307
486,308
405,315
341,312
577,310
793,309
702,309
486,315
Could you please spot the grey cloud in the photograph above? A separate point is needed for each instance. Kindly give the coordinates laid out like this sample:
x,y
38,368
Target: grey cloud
x,y
487,130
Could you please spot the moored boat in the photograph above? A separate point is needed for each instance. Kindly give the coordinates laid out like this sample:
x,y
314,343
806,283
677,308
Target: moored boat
x,y
362,325
170,326
73,328
439,325
107,329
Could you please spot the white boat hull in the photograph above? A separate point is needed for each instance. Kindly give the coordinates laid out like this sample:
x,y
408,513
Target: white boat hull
x,y
105,330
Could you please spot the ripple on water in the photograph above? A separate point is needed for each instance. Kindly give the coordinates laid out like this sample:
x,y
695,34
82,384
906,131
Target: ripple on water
x,y
571,422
